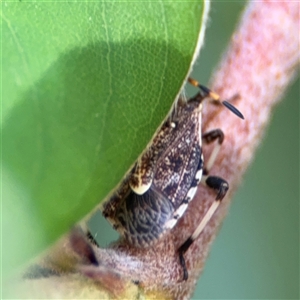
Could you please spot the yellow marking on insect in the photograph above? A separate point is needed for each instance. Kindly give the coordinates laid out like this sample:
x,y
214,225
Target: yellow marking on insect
x,y
141,188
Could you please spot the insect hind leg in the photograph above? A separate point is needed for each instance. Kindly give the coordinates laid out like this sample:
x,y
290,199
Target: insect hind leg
x,y
221,187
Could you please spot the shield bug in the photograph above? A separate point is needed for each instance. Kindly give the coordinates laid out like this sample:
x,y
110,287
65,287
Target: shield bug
x,y
156,192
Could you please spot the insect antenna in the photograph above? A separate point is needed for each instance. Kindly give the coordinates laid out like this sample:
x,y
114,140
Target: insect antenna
x,y
206,92
233,109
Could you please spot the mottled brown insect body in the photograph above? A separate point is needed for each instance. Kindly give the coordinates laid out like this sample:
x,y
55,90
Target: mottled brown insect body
x,y
157,190
165,173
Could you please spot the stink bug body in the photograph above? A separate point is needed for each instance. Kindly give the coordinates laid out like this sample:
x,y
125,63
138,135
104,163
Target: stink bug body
x,y
157,190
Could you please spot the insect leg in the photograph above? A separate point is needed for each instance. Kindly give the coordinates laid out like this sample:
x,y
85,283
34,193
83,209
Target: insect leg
x,y
216,183
221,187
209,137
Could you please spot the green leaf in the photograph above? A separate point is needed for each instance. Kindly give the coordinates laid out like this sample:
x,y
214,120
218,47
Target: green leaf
x,y
85,85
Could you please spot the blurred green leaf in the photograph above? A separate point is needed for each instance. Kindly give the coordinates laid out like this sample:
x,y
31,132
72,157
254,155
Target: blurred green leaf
x,y
85,85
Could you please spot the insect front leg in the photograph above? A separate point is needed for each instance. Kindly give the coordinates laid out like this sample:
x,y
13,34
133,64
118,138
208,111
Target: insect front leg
x,y
208,138
216,183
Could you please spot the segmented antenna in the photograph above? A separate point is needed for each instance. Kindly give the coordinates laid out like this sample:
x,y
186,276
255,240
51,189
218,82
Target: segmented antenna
x,y
215,96
233,109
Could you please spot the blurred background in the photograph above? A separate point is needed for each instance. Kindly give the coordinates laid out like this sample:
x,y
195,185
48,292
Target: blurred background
x,y
256,254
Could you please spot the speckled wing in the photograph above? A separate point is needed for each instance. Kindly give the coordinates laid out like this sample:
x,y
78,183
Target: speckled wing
x,y
142,217
178,165
156,192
